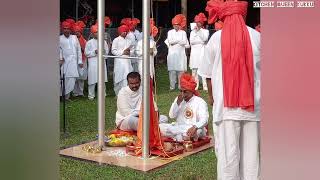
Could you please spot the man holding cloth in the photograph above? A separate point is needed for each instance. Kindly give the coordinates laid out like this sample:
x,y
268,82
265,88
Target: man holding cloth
x,y
233,58
190,112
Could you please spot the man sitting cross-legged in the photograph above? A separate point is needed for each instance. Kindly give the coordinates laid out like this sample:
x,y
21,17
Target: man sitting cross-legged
x,y
190,112
129,102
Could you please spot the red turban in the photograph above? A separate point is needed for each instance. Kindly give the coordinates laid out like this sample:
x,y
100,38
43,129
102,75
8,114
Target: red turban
x,y
218,25
180,19
94,28
125,21
200,18
152,23
187,82
154,30
76,28
107,21
123,28
136,21
258,28
237,56
81,24
71,21
66,24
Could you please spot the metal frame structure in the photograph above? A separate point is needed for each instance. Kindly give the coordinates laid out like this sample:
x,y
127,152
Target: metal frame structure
x,y
145,75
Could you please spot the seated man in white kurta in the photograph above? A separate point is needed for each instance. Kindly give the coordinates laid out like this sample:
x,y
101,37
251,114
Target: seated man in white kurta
x,y
128,103
190,112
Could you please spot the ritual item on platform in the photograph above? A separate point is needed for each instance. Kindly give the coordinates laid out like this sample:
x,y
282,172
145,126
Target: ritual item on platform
x,y
92,148
120,140
188,146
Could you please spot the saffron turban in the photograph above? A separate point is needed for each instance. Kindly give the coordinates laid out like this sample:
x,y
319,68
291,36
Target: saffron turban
x,y
66,24
123,28
237,55
81,24
76,28
187,82
71,21
94,28
154,30
180,20
135,21
201,18
107,21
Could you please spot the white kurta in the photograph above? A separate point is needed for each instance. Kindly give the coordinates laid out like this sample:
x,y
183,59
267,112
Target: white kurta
x,y
212,68
70,51
177,59
194,112
128,103
138,35
198,39
91,46
122,67
139,52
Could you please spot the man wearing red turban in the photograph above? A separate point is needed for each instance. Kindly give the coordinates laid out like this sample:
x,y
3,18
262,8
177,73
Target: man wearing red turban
x,y
83,72
121,46
91,51
189,110
233,58
198,38
177,42
70,57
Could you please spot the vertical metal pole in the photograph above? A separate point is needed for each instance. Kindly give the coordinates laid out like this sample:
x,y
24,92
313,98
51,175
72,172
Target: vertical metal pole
x,y
101,74
184,7
77,10
146,77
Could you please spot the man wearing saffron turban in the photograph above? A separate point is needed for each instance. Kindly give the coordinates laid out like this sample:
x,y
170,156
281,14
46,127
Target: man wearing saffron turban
x,y
176,59
91,51
122,67
70,57
233,58
190,112
198,38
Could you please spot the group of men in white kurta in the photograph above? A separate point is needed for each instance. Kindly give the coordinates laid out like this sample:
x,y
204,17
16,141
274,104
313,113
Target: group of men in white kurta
x,y
234,88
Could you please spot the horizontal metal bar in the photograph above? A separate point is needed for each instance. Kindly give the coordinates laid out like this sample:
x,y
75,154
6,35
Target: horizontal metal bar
x,y
122,57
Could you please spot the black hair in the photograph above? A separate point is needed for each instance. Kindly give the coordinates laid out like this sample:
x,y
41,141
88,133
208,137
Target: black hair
x,y
133,75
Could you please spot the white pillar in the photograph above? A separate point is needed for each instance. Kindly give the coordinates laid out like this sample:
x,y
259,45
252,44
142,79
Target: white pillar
x,y
146,77
101,74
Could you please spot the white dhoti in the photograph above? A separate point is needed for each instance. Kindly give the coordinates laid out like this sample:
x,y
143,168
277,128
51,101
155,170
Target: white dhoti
x,y
178,131
69,84
195,75
173,75
235,139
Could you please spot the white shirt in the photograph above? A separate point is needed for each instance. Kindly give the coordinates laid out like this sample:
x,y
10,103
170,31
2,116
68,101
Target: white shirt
x,y
70,51
198,39
89,51
177,59
139,50
128,103
212,68
194,112
122,67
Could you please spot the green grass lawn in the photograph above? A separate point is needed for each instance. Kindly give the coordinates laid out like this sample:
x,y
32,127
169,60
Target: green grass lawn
x,y
82,126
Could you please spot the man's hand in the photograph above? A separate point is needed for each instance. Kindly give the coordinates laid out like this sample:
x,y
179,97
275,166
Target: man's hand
x,y
173,44
180,99
61,61
191,131
96,51
126,51
81,65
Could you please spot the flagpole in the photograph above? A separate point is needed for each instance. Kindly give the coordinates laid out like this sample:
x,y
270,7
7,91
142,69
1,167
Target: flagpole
x,y
101,74
146,77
